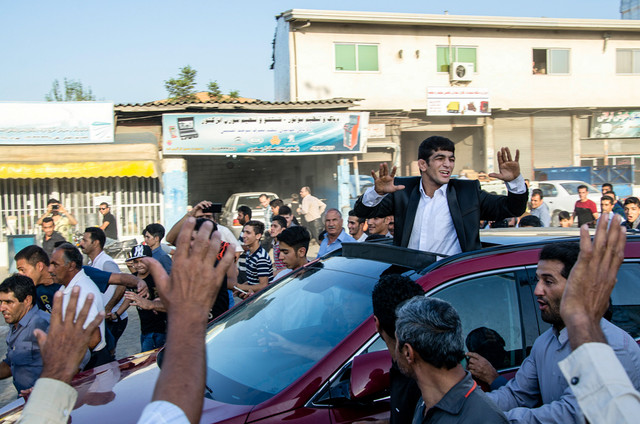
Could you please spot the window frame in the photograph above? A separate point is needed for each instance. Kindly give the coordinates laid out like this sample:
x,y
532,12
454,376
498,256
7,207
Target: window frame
x,y
451,59
521,275
548,60
357,52
632,50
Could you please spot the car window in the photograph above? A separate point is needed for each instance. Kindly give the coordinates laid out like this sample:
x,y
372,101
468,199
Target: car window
x,y
548,190
271,340
252,201
490,314
625,299
572,188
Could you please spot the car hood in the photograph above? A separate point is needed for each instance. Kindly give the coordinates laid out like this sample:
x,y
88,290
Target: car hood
x,y
119,391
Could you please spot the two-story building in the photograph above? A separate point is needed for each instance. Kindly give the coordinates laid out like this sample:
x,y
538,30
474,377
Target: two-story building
x,y
563,91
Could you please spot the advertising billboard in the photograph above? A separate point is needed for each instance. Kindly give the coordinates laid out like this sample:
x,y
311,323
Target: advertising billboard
x,y
56,122
625,124
264,134
448,101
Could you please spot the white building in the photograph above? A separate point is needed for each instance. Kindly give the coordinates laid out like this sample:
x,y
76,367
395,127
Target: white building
x,y
537,84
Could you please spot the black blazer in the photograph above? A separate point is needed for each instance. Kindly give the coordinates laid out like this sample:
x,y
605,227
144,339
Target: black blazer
x,y
468,204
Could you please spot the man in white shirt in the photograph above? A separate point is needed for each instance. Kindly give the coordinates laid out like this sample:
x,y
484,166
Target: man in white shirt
x,y
438,214
66,269
92,244
311,208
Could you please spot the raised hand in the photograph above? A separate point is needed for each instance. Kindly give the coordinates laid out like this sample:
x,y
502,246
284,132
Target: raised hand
x,y
589,286
383,182
64,346
509,169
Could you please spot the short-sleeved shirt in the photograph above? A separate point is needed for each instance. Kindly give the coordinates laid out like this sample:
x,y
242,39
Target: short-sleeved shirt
x,y
23,351
585,211
152,321
112,229
258,265
161,256
464,402
50,245
44,296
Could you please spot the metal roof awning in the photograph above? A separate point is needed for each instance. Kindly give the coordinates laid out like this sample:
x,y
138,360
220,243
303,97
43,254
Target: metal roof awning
x,y
79,161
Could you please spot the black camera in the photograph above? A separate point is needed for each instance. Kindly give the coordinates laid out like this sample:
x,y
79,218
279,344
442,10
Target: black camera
x,y
214,208
55,207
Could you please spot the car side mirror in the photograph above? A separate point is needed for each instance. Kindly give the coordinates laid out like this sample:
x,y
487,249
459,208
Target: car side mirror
x,y
370,374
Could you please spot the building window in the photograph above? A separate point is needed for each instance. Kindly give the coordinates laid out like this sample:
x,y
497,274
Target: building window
x,y
356,57
550,61
446,55
628,61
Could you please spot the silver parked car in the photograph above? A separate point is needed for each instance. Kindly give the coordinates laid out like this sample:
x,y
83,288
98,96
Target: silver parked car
x,y
250,199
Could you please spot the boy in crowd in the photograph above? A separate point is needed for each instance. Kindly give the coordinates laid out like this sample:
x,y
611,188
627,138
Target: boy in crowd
x,y
153,323
259,269
293,245
278,224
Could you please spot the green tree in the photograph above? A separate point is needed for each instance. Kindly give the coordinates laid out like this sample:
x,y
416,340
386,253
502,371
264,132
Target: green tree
x,y
234,94
73,91
214,90
182,88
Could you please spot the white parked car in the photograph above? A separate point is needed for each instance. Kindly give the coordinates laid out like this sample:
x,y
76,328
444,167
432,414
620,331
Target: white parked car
x,y
562,195
250,199
559,195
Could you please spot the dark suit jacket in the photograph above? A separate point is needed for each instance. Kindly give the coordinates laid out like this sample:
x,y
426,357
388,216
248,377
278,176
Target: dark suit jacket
x,y
468,204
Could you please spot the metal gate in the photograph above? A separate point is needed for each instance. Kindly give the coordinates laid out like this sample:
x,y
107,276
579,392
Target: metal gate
x,y
136,202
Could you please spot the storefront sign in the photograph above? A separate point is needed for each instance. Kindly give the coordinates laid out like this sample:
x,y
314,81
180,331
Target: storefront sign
x,y
616,124
56,122
264,134
447,101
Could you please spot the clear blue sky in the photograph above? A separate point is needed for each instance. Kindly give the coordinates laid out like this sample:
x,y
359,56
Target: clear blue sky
x,y
125,50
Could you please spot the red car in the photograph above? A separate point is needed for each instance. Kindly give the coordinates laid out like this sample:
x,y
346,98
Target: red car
x,y
305,350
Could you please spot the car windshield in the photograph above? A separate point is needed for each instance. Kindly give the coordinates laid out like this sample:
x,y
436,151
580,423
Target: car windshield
x,y
252,201
271,340
572,188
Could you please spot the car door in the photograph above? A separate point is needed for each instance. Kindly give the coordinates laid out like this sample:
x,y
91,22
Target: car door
x,y
497,313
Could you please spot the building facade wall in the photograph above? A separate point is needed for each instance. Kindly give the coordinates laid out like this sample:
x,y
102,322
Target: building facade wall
x,y
407,66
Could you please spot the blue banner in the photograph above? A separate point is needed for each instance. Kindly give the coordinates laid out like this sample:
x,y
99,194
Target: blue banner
x,y
264,134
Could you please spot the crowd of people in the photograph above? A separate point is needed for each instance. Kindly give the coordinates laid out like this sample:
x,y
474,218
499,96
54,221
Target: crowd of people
x,y
66,316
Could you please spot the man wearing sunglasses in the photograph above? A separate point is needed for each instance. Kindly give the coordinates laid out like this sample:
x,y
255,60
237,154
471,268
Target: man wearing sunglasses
x,y
109,225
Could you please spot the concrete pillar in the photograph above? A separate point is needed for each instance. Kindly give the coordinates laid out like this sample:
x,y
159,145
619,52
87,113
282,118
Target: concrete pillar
x,y
576,146
174,190
344,185
489,147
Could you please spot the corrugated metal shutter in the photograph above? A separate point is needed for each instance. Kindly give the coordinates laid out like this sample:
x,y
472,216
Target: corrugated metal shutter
x,y
515,133
552,141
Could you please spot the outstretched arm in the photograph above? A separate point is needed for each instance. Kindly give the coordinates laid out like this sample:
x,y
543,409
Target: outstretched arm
x,y
188,295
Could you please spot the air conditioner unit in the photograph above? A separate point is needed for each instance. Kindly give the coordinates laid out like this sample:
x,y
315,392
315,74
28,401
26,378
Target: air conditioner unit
x,y
461,71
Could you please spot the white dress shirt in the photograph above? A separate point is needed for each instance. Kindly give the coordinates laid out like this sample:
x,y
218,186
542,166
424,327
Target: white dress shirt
x,y
104,262
433,229
86,286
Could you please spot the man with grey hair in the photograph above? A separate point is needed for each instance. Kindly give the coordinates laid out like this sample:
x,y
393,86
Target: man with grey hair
x,y
429,349
336,235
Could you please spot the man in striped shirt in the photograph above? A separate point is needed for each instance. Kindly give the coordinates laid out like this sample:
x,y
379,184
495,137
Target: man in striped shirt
x,y
259,268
